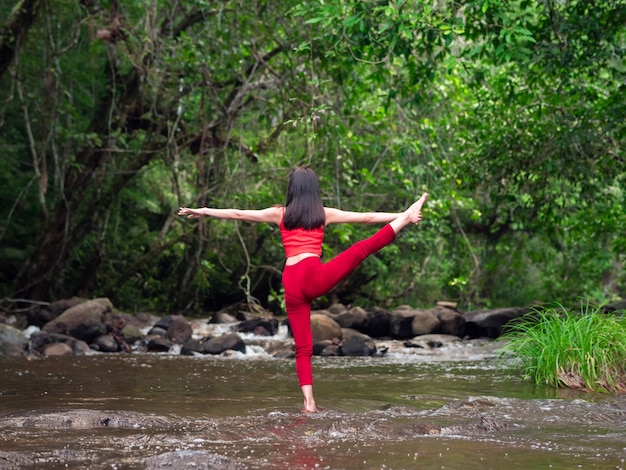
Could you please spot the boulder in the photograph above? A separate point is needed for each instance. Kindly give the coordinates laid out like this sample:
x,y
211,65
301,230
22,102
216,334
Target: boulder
x,y
424,322
158,344
57,349
356,344
219,344
13,342
451,321
85,321
401,322
259,326
172,327
40,341
490,323
105,343
356,318
43,314
378,323
324,327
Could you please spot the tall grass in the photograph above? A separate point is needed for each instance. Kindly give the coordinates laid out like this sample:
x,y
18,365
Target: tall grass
x,y
583,349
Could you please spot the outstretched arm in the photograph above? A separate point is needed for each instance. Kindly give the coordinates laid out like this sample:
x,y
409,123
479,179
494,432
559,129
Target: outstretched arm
x,y
270,215
337,216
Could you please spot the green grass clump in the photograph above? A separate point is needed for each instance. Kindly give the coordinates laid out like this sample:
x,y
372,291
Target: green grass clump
x,y
583,349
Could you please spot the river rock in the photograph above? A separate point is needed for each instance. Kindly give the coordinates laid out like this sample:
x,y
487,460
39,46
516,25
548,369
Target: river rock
x,y
219,344
378,323
85,321
105,343
175,328
158,344
131,334
324,327
401,322
196,459
13,342
431,341
490,323
451,321
39,341
43,314
57,349
356,319
424,322
616,307
191,347
259,326
356,344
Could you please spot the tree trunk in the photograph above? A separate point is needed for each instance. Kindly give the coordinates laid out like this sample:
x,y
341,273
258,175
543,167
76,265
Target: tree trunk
x,y
16,29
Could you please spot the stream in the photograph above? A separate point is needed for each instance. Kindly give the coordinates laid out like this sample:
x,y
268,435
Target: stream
x,y
457,407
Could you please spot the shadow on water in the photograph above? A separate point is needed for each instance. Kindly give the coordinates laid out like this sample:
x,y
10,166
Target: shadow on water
x,y
397,412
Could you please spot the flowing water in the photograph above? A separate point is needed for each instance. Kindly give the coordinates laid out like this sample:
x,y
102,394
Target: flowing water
x,y
456,408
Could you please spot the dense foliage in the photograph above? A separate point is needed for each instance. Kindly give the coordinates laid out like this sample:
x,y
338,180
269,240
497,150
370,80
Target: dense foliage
x,y
510,113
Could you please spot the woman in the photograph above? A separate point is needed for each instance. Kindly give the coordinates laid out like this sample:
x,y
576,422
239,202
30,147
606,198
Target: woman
x,y
302,220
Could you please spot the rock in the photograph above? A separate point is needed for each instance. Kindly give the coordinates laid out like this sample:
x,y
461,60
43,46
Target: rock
x,y
223,317
401,322
378,323
337,309
196,459
179,330
356,344
617,307
259,326
132,334
324,327
13,342
223,343
321,345
424,322
157,331
105,343
356,318
431,341
191,347
43,314
451,322
489,323
158,344
39,341
85,321
57,349
331,350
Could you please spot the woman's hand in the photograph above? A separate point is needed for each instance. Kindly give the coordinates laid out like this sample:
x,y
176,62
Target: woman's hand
x,y
191,213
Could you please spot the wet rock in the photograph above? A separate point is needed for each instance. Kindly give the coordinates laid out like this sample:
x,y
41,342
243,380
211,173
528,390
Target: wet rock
x,y
319,346
401,322
192,459
223,317
179,330
223,343
85,321
356,344
131,334
259,326
13,342
158,344
331,350
324,327
424,323
174,327
490,323
57,349
105,343
616,307
39,341
378,323
191,347
451,321
431,341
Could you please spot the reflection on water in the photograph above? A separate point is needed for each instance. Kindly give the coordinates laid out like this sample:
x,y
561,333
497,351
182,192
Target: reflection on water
x,y
397,412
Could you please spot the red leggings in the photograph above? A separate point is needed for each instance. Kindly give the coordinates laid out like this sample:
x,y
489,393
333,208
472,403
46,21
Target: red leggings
x,y
309,279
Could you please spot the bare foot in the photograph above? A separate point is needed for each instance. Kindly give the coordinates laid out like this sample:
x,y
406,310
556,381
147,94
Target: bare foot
x,y
415,211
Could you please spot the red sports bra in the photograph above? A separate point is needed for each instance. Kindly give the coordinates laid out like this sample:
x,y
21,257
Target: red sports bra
x,y
299,240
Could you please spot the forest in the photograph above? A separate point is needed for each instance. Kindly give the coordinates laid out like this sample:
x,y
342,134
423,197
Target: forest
x,y
510,113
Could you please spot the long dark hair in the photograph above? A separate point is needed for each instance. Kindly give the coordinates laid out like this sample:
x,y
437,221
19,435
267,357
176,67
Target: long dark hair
x,y
304,207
